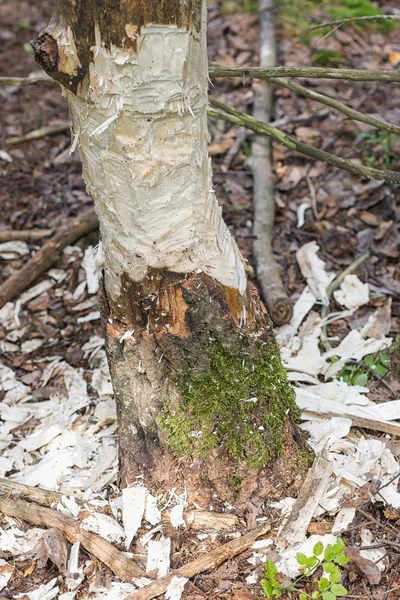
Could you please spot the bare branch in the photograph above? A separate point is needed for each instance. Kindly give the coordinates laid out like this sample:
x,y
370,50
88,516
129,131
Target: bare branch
x,y
234,116
216,71
37,134
346,110
355,19
30,80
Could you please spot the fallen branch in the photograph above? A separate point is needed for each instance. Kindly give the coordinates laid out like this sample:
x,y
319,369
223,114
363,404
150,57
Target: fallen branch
x,y
37,134
216,71
14,489
30,80
353,114
10,235
267,269
116,560
295,528
231,115
356,421
355,19
208,561
47,255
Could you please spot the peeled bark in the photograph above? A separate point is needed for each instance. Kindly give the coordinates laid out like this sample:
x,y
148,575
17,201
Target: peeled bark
x,y
180,319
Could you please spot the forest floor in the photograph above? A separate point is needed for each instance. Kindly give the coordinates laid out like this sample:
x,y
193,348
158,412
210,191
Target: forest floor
x,y
51,347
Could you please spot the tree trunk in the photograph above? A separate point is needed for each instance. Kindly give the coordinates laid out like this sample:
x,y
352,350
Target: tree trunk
x,y
194,362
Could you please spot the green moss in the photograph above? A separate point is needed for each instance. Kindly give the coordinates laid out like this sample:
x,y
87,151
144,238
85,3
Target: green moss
x,y
297,16
235,481
238,403
326,58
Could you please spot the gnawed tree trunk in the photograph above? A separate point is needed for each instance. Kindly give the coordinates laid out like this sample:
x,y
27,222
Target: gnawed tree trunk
x,y
195,366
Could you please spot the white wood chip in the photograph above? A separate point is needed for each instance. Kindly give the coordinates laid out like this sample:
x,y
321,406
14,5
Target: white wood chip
x,y
13,250
352,293
44,592
176,516
133,506
313,270
158,556
6,572
151,513
107,527
175,588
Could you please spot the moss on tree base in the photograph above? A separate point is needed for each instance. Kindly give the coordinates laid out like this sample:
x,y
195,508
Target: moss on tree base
x,y
240,404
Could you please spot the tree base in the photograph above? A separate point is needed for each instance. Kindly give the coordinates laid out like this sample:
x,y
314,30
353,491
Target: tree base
x,y
202,397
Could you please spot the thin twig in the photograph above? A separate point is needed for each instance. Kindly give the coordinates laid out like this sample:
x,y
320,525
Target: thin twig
x,y
231,115
37,134
30,80
217,71
9,235
340,106
355,19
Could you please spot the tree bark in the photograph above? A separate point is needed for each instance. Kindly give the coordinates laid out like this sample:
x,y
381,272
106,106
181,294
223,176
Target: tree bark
x,y
194,362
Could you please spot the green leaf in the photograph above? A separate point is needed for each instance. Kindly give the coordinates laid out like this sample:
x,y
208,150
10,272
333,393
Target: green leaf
x,y
275,583
328,567
339,546
328,596
369,360
335,576
301,558
342,559
318,549
303,596
339,590
323,584
381,370
315,595
311,561
270,569
328,554
385,360
267,588
361,379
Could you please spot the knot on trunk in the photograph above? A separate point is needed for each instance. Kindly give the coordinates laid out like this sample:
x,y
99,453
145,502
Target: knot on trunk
x,y
46,52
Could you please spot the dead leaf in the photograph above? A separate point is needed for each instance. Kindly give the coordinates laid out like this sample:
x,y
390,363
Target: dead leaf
x,y
319,528
29,570
394,58
369,218
308,135
362,566
52,546
382,230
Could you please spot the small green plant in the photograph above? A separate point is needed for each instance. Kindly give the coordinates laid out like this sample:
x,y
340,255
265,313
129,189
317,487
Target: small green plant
x,y
328,585
328,58
359,373
384,139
